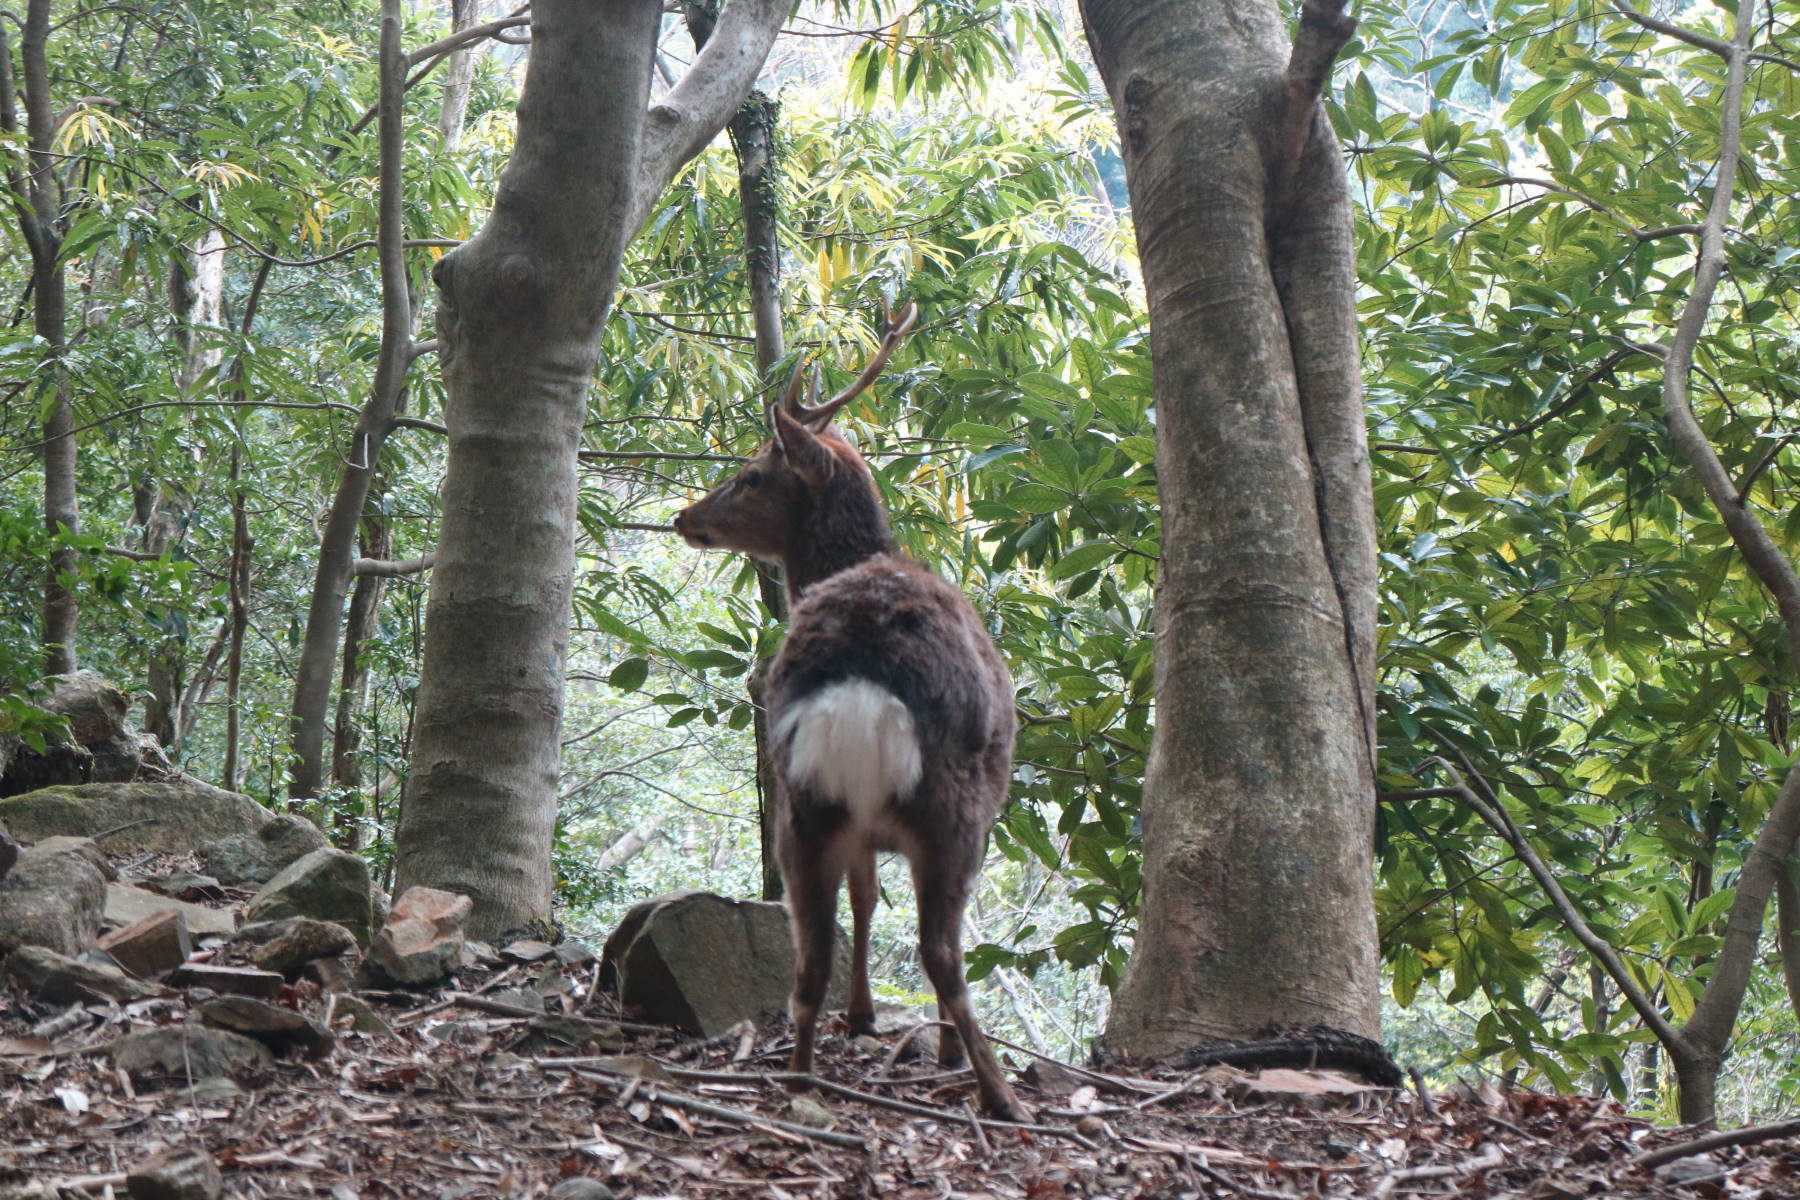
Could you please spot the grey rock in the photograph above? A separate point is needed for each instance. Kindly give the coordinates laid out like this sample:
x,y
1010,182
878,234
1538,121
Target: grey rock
x,y
51,898
280,1029
182,1173
334,974
181,813
574,954
257,857
702,963
331,885
567,1035
289,944
87,847
235,981
58,979
127,905
98,745
421,941
362,1014
580,1187
183,1053
185,885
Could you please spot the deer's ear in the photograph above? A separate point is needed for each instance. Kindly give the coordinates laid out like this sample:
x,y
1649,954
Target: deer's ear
x,y
804,452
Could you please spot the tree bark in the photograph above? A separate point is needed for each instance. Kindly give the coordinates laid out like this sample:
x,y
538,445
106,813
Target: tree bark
x,y
520,310
1258,807
459,74
196,297
337,545
353,680
37,203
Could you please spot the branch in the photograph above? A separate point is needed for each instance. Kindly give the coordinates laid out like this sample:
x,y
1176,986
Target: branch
x,y
393,568
1501,822
1747,1136
1576,395
1323,30
332,405
1642,235
696,109
456,41
1705,42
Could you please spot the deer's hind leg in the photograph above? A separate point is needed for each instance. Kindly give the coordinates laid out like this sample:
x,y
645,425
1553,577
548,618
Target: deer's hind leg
x,y
863,893
942,896
811,879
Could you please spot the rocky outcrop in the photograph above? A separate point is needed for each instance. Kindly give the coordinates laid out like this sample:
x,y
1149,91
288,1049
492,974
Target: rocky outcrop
x,y
171,817
100,744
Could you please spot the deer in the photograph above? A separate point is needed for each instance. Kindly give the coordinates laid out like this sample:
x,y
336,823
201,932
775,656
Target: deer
x,y
890,712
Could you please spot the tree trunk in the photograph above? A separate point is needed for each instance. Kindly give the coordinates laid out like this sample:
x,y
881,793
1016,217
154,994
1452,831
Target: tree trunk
x,y
196,297
520,310
353,680
1258,810
337,545
459,73
37,202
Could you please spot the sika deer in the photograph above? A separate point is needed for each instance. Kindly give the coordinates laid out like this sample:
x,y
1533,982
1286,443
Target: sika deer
x,y
890,710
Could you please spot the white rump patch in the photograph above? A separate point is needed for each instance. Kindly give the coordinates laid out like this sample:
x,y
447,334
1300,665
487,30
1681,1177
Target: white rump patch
x,y
853,741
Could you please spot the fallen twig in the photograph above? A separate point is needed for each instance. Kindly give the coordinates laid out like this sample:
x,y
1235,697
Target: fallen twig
x,y
718,1112
1749,1135
1491,1157
981,1138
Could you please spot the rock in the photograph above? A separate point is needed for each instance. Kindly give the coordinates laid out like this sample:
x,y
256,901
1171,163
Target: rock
x,y
185,885
526,950
332,974
127,905
257,857
98,745
236,981
184,812
580,1187
563,1035
184,1173
475,954
9,853
183,1053
421,941
331,885
51,898
362,1015
702,963
289,944
573,954
1308,1089
804,1110
87,847
158,943
1051,1079
214,1089
280,1029
58,979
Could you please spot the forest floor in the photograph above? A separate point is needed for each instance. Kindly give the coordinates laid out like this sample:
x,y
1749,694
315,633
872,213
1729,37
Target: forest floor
x,y
467,1098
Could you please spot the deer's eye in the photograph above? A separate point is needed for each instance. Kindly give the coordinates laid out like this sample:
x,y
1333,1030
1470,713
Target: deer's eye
x,y
750,479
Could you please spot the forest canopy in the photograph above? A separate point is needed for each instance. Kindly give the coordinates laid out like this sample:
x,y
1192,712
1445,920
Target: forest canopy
x,y
1583,679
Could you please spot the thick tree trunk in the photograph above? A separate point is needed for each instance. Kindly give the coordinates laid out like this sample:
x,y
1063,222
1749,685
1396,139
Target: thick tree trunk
x,y
520,310
459,74
337,545
1258,809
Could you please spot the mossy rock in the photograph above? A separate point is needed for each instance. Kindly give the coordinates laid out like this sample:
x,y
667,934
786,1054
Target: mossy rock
x,y
178,815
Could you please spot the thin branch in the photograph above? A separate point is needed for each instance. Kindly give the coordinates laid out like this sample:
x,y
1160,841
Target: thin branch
x,y
392,568
656,455
1642,235
1703,41
331,405
1576,395
457,41
1747,1136
1487,1160
1500,821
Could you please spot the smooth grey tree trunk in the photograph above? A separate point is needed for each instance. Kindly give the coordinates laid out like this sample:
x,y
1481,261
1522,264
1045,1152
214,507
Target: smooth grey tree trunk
x,y
521,306
316,671
1258,810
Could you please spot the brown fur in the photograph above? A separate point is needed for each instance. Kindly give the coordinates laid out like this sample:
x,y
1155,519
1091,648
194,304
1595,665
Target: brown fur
x,y
863,611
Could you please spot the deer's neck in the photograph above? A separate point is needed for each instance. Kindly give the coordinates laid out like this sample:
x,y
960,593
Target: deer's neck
x,y
847,526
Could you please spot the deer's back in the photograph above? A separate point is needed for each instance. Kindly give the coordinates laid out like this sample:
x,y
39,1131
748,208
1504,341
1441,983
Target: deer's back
x,y
888,625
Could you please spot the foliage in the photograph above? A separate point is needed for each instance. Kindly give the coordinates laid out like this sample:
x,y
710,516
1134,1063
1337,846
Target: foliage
x,y
1559,604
